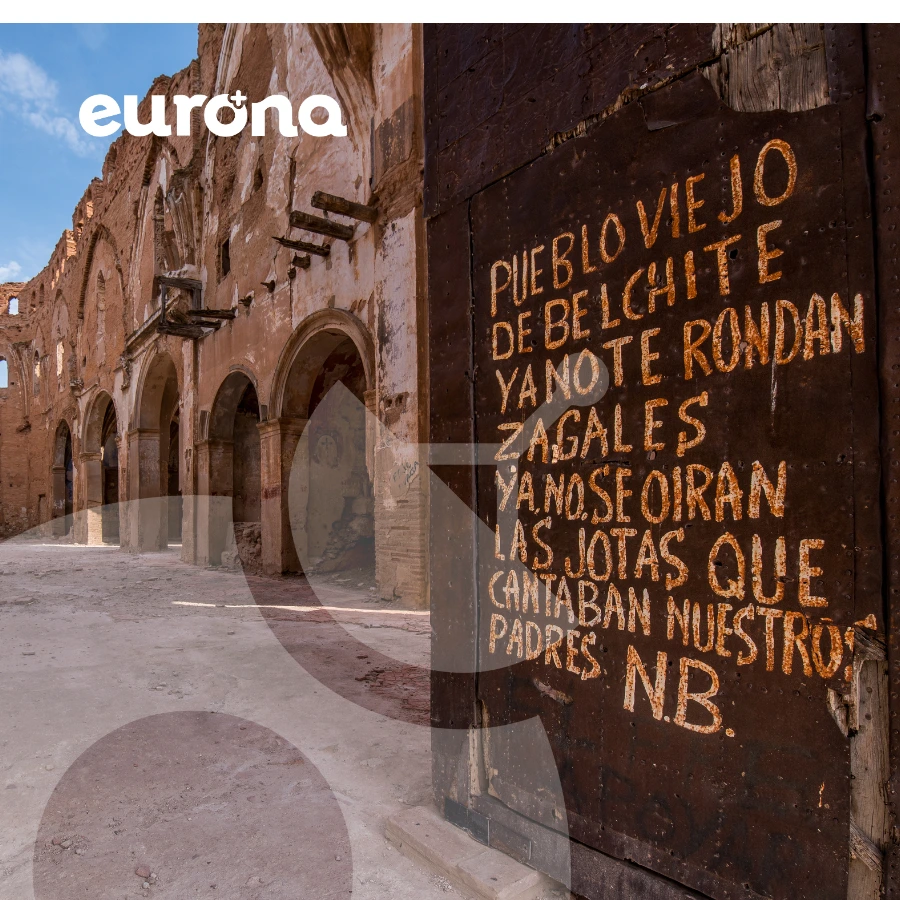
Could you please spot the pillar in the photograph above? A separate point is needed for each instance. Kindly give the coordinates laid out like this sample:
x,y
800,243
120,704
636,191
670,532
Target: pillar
x,y
278,445
190,523
147,514
117,513
371,401
213,503
399,485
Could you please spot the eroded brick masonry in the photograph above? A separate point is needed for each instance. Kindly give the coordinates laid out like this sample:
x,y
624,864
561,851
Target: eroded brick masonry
x,y
164,366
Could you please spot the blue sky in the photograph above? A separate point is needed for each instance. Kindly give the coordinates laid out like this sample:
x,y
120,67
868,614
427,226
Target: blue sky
x,y
46,160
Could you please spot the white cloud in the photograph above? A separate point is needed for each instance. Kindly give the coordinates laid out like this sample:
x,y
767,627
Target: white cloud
x,y
10,272
26,89
93,35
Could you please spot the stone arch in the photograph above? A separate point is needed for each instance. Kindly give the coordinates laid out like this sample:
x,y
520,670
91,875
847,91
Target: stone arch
x,y
24,366
61,347
158,375
171,256
316,337
92,431
100,445
100,233
16,377
328,509
184,205
157,146
247,61
102,313
230,464
36,373
62,435
154,458
62,477
231,58
41,362
227,399
346,51
176,189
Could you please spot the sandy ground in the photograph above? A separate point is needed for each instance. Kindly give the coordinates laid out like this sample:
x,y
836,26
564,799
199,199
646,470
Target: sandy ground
x,y
179,732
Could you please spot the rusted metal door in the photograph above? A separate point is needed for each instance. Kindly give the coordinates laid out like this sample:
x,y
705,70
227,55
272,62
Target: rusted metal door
x,y
685,577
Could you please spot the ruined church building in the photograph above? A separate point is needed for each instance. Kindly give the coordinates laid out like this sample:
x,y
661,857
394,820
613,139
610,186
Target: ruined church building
x,y
210,292
171,370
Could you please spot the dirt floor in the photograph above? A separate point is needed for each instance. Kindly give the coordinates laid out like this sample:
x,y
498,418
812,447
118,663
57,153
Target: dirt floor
x,y
178,732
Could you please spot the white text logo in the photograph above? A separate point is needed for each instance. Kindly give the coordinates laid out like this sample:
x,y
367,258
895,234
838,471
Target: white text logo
x,y
101,107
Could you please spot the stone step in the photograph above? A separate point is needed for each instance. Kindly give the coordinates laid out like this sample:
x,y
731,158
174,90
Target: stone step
x,y
429,839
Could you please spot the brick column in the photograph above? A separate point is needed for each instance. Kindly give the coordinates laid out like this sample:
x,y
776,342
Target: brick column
x,y
370,398
213,503
400,522
145,524
278,444
122,493
189,521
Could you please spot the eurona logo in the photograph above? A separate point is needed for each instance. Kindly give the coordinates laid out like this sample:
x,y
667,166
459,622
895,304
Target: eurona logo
x,y
101,106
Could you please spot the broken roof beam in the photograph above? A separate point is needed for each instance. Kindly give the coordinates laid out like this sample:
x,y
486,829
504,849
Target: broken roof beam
x,y
191,332
211,313
189,284
335,204
318,225
304,246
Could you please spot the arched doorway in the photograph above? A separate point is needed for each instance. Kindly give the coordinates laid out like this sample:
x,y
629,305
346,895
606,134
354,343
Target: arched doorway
x,y
233,463
331,492
154,459
303,359
100,460
63,479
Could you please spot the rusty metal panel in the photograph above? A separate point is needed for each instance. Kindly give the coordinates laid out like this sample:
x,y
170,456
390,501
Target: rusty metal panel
x,y
497,95
451,556
883,54
691,679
